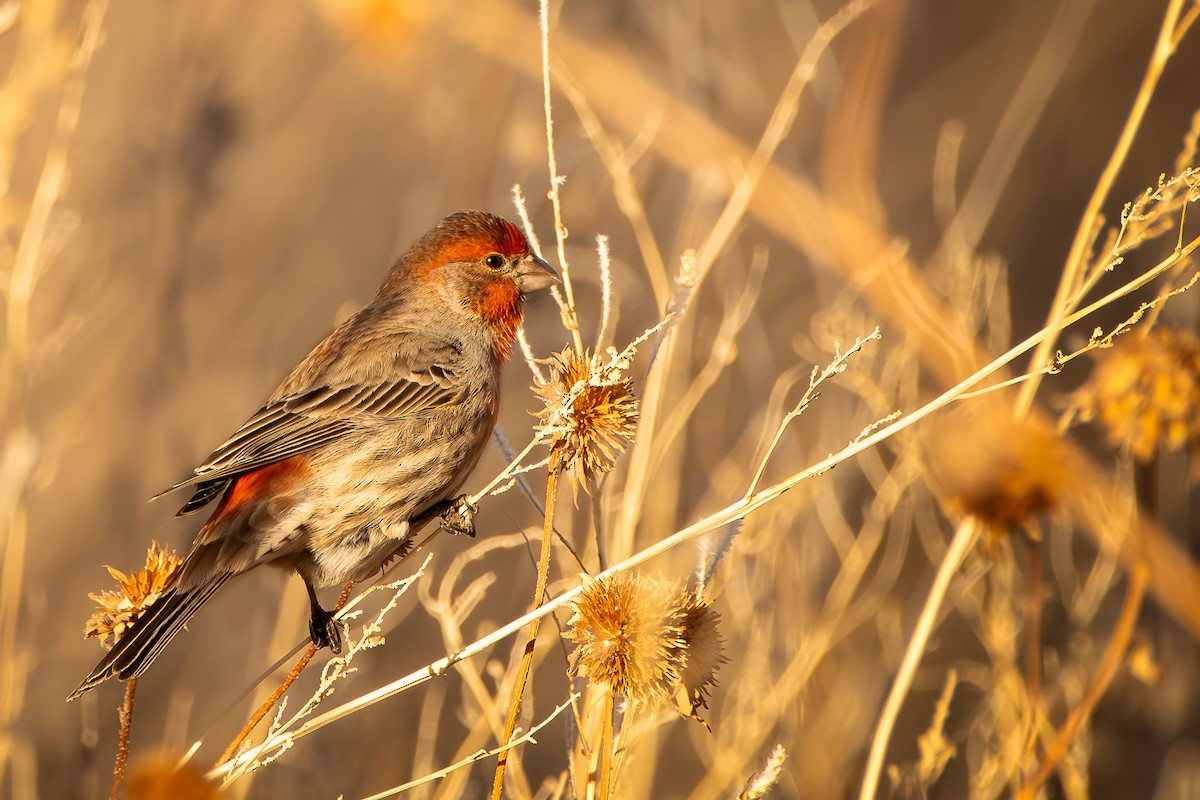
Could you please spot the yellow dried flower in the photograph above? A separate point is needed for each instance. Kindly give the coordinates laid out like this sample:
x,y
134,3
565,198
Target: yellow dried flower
x,y
135,592
590,414
646,639
1145,392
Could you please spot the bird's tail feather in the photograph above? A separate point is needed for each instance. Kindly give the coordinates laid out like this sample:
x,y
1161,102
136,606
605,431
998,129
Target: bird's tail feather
x,y
157,626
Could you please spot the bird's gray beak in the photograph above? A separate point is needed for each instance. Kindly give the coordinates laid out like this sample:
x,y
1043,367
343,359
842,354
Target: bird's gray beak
x,y
533,274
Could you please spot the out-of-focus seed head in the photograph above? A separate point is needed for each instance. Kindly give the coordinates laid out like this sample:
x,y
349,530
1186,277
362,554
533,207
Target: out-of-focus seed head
x,y
118,609
590,414
164,779
646,639
1145,392
999,470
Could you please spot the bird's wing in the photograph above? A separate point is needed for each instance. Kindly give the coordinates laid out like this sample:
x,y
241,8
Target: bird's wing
x,y
421,376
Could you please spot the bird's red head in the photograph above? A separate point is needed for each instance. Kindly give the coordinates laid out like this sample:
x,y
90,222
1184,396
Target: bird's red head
x,y
485,263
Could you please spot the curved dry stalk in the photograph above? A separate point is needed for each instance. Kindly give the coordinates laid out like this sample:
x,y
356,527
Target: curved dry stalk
x,y
964,538
1114,654
1164,48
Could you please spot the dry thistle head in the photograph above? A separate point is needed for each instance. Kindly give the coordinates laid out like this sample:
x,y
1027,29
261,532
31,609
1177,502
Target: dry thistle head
x,y
162,779
647,639
996,468
703,654
590,413
135,592
1145,392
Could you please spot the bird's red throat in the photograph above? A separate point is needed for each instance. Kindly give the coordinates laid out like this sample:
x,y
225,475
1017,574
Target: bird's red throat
x,y
502,308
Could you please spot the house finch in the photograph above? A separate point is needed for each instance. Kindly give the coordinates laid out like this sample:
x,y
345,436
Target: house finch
x,y
368,439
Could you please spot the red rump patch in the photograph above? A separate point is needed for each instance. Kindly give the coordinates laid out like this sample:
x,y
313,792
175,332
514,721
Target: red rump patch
x,y
262,482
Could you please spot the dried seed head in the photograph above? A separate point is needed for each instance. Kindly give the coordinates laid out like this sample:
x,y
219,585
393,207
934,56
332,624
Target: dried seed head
x,y
590,413
647,639
1000,470
627,634
135,591
702,654
1144,392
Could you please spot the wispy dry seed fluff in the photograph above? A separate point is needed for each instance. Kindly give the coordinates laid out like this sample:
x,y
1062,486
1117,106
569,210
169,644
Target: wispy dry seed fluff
x,y
590,413
1145,393
997,469
646,639
120,608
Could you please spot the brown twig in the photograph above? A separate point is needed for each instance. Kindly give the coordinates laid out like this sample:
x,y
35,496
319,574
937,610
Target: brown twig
x,y
539,597
126,716
265,708
1114,654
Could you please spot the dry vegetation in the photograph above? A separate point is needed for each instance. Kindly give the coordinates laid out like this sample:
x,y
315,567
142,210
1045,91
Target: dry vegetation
x,y
884,237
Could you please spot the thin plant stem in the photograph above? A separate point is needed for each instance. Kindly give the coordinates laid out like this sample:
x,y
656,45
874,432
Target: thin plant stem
x,y
606,748
126,717
539,596
964,538
263,710
1163,49
570,318
478,756
1114,654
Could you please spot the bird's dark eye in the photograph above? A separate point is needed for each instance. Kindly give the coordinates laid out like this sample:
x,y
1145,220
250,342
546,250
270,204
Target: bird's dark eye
x,y
495,261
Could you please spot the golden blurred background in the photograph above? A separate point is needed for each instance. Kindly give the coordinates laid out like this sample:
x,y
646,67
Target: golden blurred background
x,y
240,177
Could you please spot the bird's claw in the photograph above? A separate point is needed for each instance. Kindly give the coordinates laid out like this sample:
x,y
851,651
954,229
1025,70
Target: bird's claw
x,y
324,630
458,517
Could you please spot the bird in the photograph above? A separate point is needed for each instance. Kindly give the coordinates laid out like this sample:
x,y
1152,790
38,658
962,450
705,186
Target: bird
x,y
368,439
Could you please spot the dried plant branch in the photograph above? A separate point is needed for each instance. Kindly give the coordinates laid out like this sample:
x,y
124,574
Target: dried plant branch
x,y
1114,654
527,737
1076,259
964,538
819,376
566,299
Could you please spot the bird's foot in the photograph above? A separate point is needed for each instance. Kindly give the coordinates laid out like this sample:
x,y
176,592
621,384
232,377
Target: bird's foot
x,y
324,629
458,516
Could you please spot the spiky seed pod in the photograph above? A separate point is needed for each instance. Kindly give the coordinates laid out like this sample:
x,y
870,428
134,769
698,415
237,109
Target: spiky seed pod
x,y
590,414
1000,470
703,653
646,639
135,591
627,635
1144,392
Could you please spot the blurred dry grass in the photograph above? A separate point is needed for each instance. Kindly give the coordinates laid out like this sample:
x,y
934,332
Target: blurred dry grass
x,y
239,177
